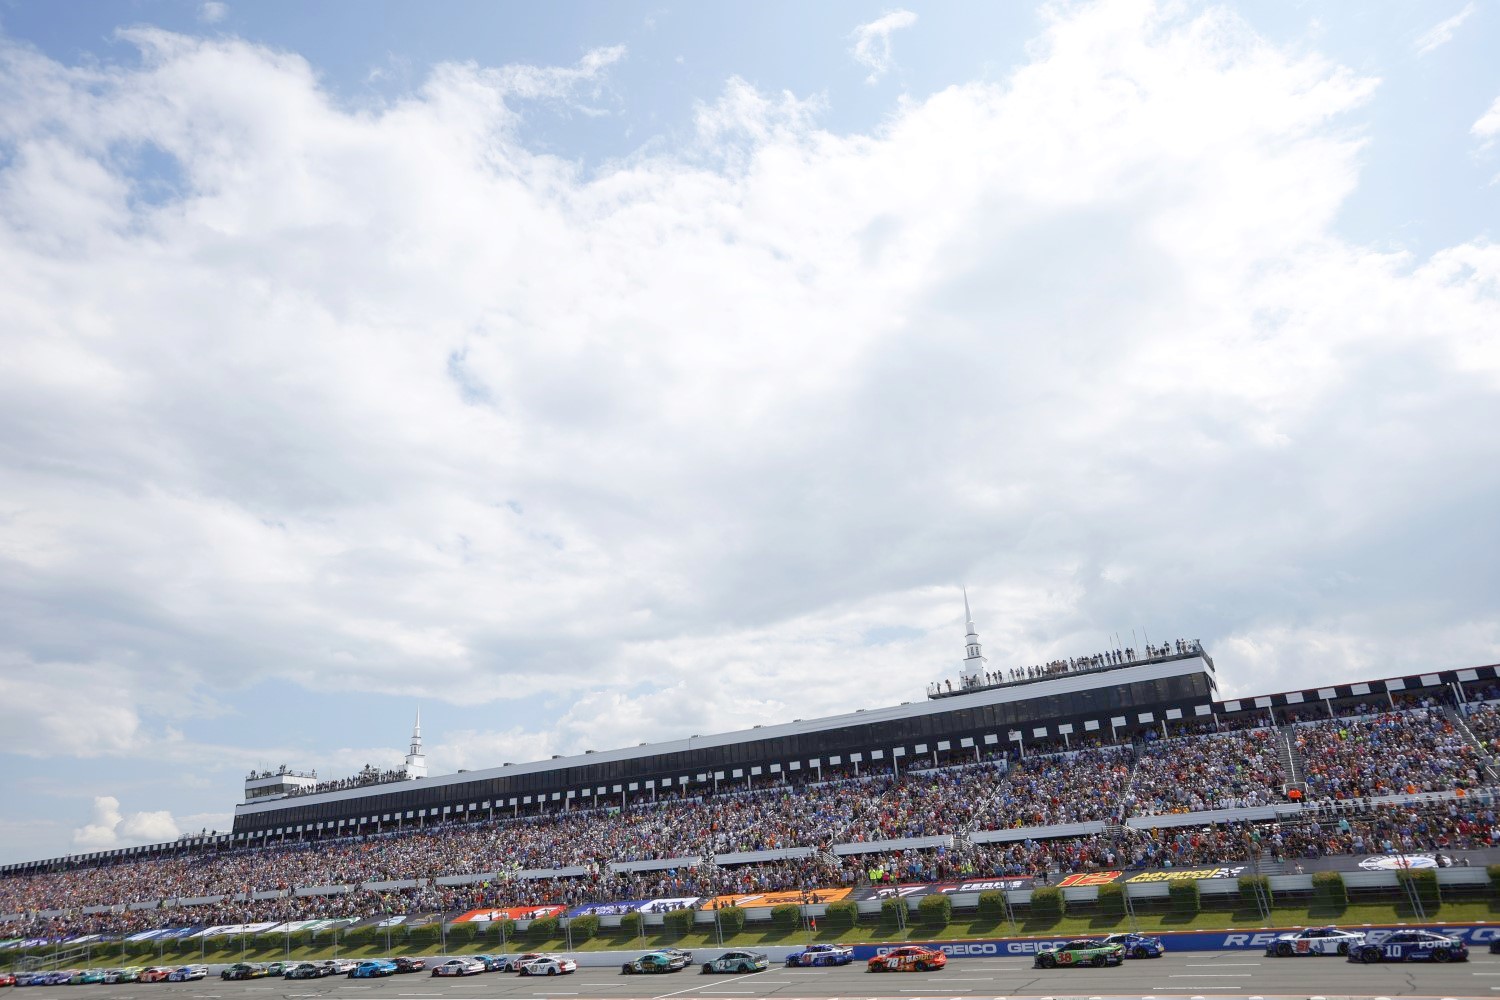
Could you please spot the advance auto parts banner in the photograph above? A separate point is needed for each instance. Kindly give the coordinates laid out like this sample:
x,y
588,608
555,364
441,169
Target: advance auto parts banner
x,y
1160,875
511,913
777,898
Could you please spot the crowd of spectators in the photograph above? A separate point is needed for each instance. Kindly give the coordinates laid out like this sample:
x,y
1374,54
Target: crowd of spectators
x,y
368,775
1066,665
1347,761
1390,753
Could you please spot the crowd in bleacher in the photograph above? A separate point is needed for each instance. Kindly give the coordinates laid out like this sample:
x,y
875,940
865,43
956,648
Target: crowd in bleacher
x,y
1227,764
1119,657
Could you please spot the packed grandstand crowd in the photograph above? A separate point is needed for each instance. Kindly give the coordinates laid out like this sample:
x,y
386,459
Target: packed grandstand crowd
x,y
1346,758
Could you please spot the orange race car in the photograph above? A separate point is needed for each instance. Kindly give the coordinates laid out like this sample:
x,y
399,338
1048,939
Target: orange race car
x,y
907,958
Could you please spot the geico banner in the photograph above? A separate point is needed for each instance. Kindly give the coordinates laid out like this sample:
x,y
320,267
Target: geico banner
x,y
1188,941
612,909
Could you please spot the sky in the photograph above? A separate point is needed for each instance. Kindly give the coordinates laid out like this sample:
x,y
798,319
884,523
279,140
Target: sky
x,y
592,373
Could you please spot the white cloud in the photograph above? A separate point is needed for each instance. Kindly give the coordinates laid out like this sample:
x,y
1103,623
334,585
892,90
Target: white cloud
x,y
872,42
1488,125
385,400
213,11
1442,33
110,828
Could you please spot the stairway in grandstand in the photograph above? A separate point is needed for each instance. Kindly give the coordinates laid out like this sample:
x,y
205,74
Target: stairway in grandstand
x,y
1291,760
1456,717
1265,864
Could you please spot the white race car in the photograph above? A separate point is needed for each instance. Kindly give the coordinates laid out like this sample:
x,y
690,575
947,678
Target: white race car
x,y
549,965
459,967
1315,941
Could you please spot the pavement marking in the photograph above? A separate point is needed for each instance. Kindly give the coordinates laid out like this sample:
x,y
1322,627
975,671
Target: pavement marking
x,y
1210,975
1168,989
699,989
1218,965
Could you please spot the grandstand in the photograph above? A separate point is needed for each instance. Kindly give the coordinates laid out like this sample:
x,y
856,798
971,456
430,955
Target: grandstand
x,y
1112,760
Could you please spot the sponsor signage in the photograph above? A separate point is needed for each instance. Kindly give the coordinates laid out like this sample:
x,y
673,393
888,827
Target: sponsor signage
x,y
509,913
1474,935
946,888
1405,862
1088,878
779,898
1188,873
607,909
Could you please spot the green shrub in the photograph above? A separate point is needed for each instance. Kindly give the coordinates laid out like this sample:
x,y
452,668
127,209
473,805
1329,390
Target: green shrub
x,y
631,924
426,934
1183,894
992,905
1425,884
731,919
582,928
787,917
1255,890
1047,903
1329,889
458,934
1494,873
841,916
544,929
936,910
1112,900
893,910
679,922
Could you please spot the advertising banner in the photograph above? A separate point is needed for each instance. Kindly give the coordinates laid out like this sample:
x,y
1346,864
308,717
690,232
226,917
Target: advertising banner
x,y
1474,935
669,903
777,898
905,889
510,913
613,909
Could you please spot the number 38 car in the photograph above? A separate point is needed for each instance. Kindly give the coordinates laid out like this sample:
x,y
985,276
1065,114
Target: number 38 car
x,y
1315,941
908,958
1412,946
1080,952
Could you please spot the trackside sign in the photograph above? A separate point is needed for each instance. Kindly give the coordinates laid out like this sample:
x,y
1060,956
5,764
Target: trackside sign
x,y
1191,941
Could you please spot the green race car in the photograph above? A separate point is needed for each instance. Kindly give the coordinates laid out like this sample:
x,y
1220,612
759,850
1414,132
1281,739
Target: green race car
x,y
738,961
87,976
658,961
1079,952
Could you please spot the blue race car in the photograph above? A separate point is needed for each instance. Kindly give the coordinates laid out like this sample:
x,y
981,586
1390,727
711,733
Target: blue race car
x,y
373,969
1137,945
1412,946
820,954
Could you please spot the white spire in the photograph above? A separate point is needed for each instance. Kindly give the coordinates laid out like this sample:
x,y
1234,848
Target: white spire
x,y
973,656
416,761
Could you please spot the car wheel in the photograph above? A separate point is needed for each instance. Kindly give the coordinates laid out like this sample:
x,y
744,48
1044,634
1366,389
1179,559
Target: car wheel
x,y
1442,955
551,971
1047,961
1140,953
708,969
1283,948
1097,961
1370,955
920,966
628,969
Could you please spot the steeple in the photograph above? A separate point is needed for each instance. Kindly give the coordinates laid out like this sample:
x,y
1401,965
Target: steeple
x,y
973,658
416,761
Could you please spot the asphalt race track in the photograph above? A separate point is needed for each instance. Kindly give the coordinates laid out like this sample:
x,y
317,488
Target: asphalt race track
x,y
1197,975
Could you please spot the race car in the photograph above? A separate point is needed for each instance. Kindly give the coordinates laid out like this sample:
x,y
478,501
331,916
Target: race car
x,y
86,976
656,961
1137,945
1314,941
278,968
243,970
737,961
6,979
339,966
458,967
1083,951
549,965
155,974
187,973
129,974
405,964
907,958
305,970
820,954
492,963
519,962
1412,946
373,969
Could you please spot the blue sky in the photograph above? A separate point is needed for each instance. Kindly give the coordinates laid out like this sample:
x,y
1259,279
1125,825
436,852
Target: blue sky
x,y
558,367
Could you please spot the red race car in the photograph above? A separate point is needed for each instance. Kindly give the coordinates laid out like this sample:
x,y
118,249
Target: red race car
x,y
907,958
155,974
